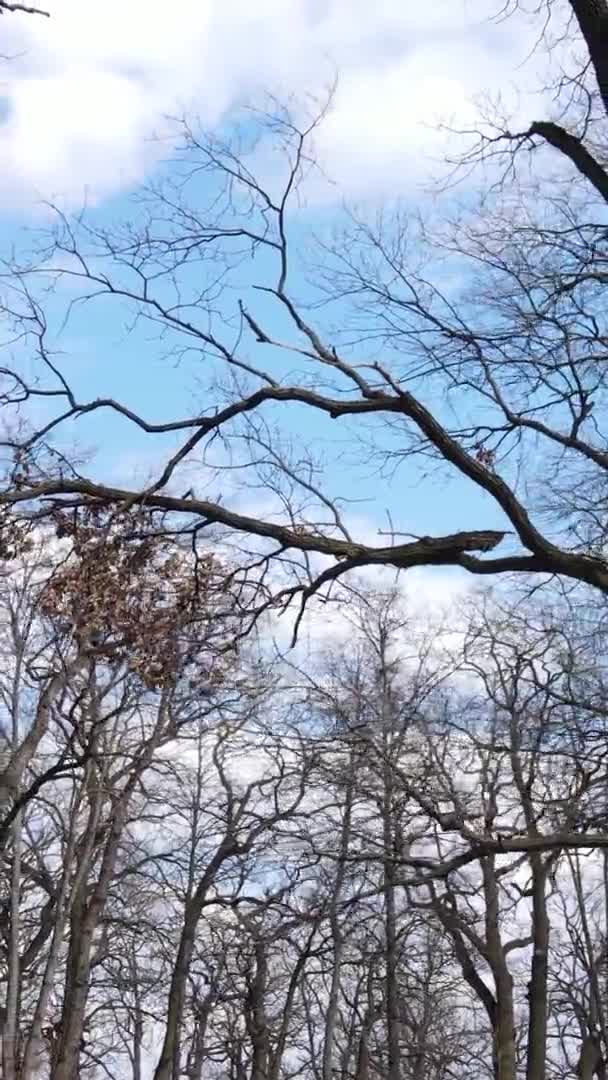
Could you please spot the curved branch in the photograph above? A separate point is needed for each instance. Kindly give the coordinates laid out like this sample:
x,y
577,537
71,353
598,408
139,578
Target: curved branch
x,y
574,149
449,550
592,18
9,5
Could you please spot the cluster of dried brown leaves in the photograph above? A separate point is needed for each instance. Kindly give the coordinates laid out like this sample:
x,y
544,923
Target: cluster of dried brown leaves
x,y
15,535
134,599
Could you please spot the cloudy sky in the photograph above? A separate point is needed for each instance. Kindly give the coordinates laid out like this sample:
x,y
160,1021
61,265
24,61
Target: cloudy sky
x,y
85,92
88,104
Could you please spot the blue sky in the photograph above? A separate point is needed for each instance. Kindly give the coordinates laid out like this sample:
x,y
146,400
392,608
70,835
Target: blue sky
x,y
102,356
87,99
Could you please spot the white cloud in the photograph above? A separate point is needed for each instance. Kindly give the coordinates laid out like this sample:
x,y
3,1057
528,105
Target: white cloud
x,y
90,86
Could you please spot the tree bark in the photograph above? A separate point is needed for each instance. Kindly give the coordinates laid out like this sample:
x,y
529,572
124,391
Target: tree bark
x,y
504,1031
257,1024
331,1015
390,917
10,1062
537,991
592,18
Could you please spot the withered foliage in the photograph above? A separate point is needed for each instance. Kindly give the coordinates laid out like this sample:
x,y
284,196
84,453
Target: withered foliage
x,y
15,535
137,600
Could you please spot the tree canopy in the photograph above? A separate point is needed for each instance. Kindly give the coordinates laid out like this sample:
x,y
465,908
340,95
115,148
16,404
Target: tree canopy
x,y
471,341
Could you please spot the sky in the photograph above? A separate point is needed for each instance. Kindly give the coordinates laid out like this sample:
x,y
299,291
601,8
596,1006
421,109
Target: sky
x,y
87,90
87,107
88,104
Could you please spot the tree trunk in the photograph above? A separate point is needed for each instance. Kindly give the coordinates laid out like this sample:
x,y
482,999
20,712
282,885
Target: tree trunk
x,y
65,899
505,1057
138,1021
168,1064
362,1072
197,1049
10,1063
537,1015
257,1024
75,997
331,1015
84,922
276,1055
590,1060
390,922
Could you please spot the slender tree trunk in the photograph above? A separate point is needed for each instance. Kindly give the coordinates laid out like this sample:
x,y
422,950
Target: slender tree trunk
x,y
237,1067
138,1020
138,1042
506,1059
257,1024
370,1015
10,1039
537,1013
197,1049
390,924
590,1060
168,1064
504,1032
84,922
77,990
65,900
276,1056
362,1070
331,1015
10,1062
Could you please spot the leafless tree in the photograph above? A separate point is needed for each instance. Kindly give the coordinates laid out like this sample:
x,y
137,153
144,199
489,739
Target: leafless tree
x,y
499,311
389,860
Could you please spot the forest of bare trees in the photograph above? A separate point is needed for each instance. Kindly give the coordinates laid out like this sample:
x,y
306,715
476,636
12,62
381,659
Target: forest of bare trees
x,y
390,862
375,846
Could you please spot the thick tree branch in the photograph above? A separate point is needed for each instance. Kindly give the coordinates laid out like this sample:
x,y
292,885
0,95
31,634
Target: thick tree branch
x,y
576,151
8,6
592,17
433,551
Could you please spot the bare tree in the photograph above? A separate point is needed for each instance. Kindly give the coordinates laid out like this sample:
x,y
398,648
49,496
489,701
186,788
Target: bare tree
x,y
501,310
388,862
